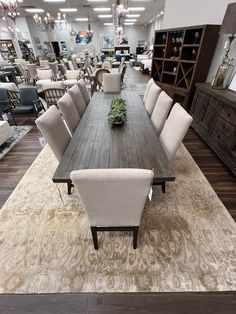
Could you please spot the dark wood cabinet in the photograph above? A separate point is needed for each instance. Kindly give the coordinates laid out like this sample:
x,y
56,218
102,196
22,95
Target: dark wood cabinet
x,y
181,57
214,119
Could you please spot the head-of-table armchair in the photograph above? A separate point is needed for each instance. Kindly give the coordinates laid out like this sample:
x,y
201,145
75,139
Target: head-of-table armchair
x,y
113,198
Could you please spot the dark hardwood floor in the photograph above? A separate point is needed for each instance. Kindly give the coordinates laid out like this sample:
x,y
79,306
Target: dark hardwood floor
x,y
15,164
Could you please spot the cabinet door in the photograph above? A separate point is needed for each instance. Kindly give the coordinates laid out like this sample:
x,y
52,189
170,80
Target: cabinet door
x,y
199,104
209,113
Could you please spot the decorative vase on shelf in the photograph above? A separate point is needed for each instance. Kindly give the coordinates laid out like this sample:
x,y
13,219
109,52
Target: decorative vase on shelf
x,y
221,79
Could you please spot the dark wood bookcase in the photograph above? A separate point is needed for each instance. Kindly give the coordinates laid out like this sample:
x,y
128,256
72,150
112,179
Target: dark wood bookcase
x,y
181,57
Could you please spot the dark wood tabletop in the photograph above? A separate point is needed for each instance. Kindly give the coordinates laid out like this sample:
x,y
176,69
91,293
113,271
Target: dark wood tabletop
x,y
95,145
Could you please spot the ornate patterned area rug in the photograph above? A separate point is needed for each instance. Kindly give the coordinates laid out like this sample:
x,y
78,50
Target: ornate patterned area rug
x,y
187,240
18,133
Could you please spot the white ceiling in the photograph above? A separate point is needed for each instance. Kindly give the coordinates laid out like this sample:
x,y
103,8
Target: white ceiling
x,y
84,8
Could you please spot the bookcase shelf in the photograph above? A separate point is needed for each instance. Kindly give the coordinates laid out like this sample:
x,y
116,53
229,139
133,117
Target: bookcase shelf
x,y
182,57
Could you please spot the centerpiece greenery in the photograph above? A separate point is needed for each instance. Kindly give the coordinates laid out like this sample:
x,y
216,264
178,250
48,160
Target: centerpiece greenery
x,y
117,114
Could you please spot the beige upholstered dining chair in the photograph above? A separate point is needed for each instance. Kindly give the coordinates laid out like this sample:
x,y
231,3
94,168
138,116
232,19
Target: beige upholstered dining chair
x,y
84,91
44,63
151,99
160,111
55,132
111,82
175,128
71,77
107,209
78,99
43,76
69,112
150,82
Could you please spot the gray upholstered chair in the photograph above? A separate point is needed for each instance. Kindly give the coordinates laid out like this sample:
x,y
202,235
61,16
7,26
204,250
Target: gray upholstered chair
x,y
150,82
71,77
84,91
108,209
160,111
111,82
69,112
55,132
151,99
52,84
78,99
174,130
43,77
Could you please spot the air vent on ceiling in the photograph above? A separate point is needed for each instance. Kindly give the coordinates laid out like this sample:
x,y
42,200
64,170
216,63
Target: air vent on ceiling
x,y
86,6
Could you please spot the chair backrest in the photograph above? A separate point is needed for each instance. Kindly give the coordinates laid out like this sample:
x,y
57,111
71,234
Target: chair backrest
x,y
111,82
44,74
160,111
113,197
99,75
75,64
4,97
153,93
52,84
28,95
62,69
32,70
174,130
69,112
52,95
44,63
22,70
78,99
54,131
54,67
106,65
9,86
71,66
84,91
150,82
72,74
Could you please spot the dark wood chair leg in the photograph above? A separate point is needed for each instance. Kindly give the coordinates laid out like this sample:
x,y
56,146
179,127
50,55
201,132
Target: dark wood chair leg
x,y
95,238
163,185
69,187
135,237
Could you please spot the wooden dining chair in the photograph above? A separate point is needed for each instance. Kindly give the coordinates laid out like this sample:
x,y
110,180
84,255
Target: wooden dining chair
x,y
107,209
78,99
160,111
99,77
55,132
150,82
69,112
151,99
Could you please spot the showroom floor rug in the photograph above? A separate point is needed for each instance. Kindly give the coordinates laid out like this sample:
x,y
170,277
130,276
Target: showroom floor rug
x,y
19,133
187,240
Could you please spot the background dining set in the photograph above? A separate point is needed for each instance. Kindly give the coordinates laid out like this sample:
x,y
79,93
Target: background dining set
x,y
113,198
51,80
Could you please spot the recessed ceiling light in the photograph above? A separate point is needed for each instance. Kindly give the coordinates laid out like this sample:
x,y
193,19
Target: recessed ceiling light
x,y
130,20
128,23
136,9
68,10
133,15
81,19
108,24
101,9
103,16
34,10
54,0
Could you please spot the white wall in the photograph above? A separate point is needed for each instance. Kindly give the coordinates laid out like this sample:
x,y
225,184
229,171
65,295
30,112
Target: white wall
x,y
180,13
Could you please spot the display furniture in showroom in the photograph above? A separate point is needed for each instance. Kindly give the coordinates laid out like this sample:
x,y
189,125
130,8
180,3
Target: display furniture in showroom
x,y
214,119
181,57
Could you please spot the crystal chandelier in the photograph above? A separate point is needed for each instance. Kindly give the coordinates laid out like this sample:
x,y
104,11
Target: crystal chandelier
x,y
10,8
122,7
49,23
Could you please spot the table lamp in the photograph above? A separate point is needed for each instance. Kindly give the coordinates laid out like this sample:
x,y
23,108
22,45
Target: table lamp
x,y
229,25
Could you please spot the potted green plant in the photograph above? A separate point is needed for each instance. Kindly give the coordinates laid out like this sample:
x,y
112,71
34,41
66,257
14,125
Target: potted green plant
x,y
117,114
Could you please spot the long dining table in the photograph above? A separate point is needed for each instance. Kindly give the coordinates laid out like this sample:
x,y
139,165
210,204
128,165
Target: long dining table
x,y
94,145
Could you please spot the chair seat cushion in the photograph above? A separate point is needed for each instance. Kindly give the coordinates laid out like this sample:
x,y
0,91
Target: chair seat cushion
x,y
23,109
40,83
70,82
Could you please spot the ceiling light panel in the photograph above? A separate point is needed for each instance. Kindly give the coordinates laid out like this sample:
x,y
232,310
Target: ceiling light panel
x,y
130,20
101,9
103,16
128,23
97,1
34,10
68,10
108,24
137,9
81,19
133,15
54,1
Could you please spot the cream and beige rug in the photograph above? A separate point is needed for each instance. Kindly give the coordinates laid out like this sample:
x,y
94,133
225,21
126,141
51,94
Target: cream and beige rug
x,y
187,240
